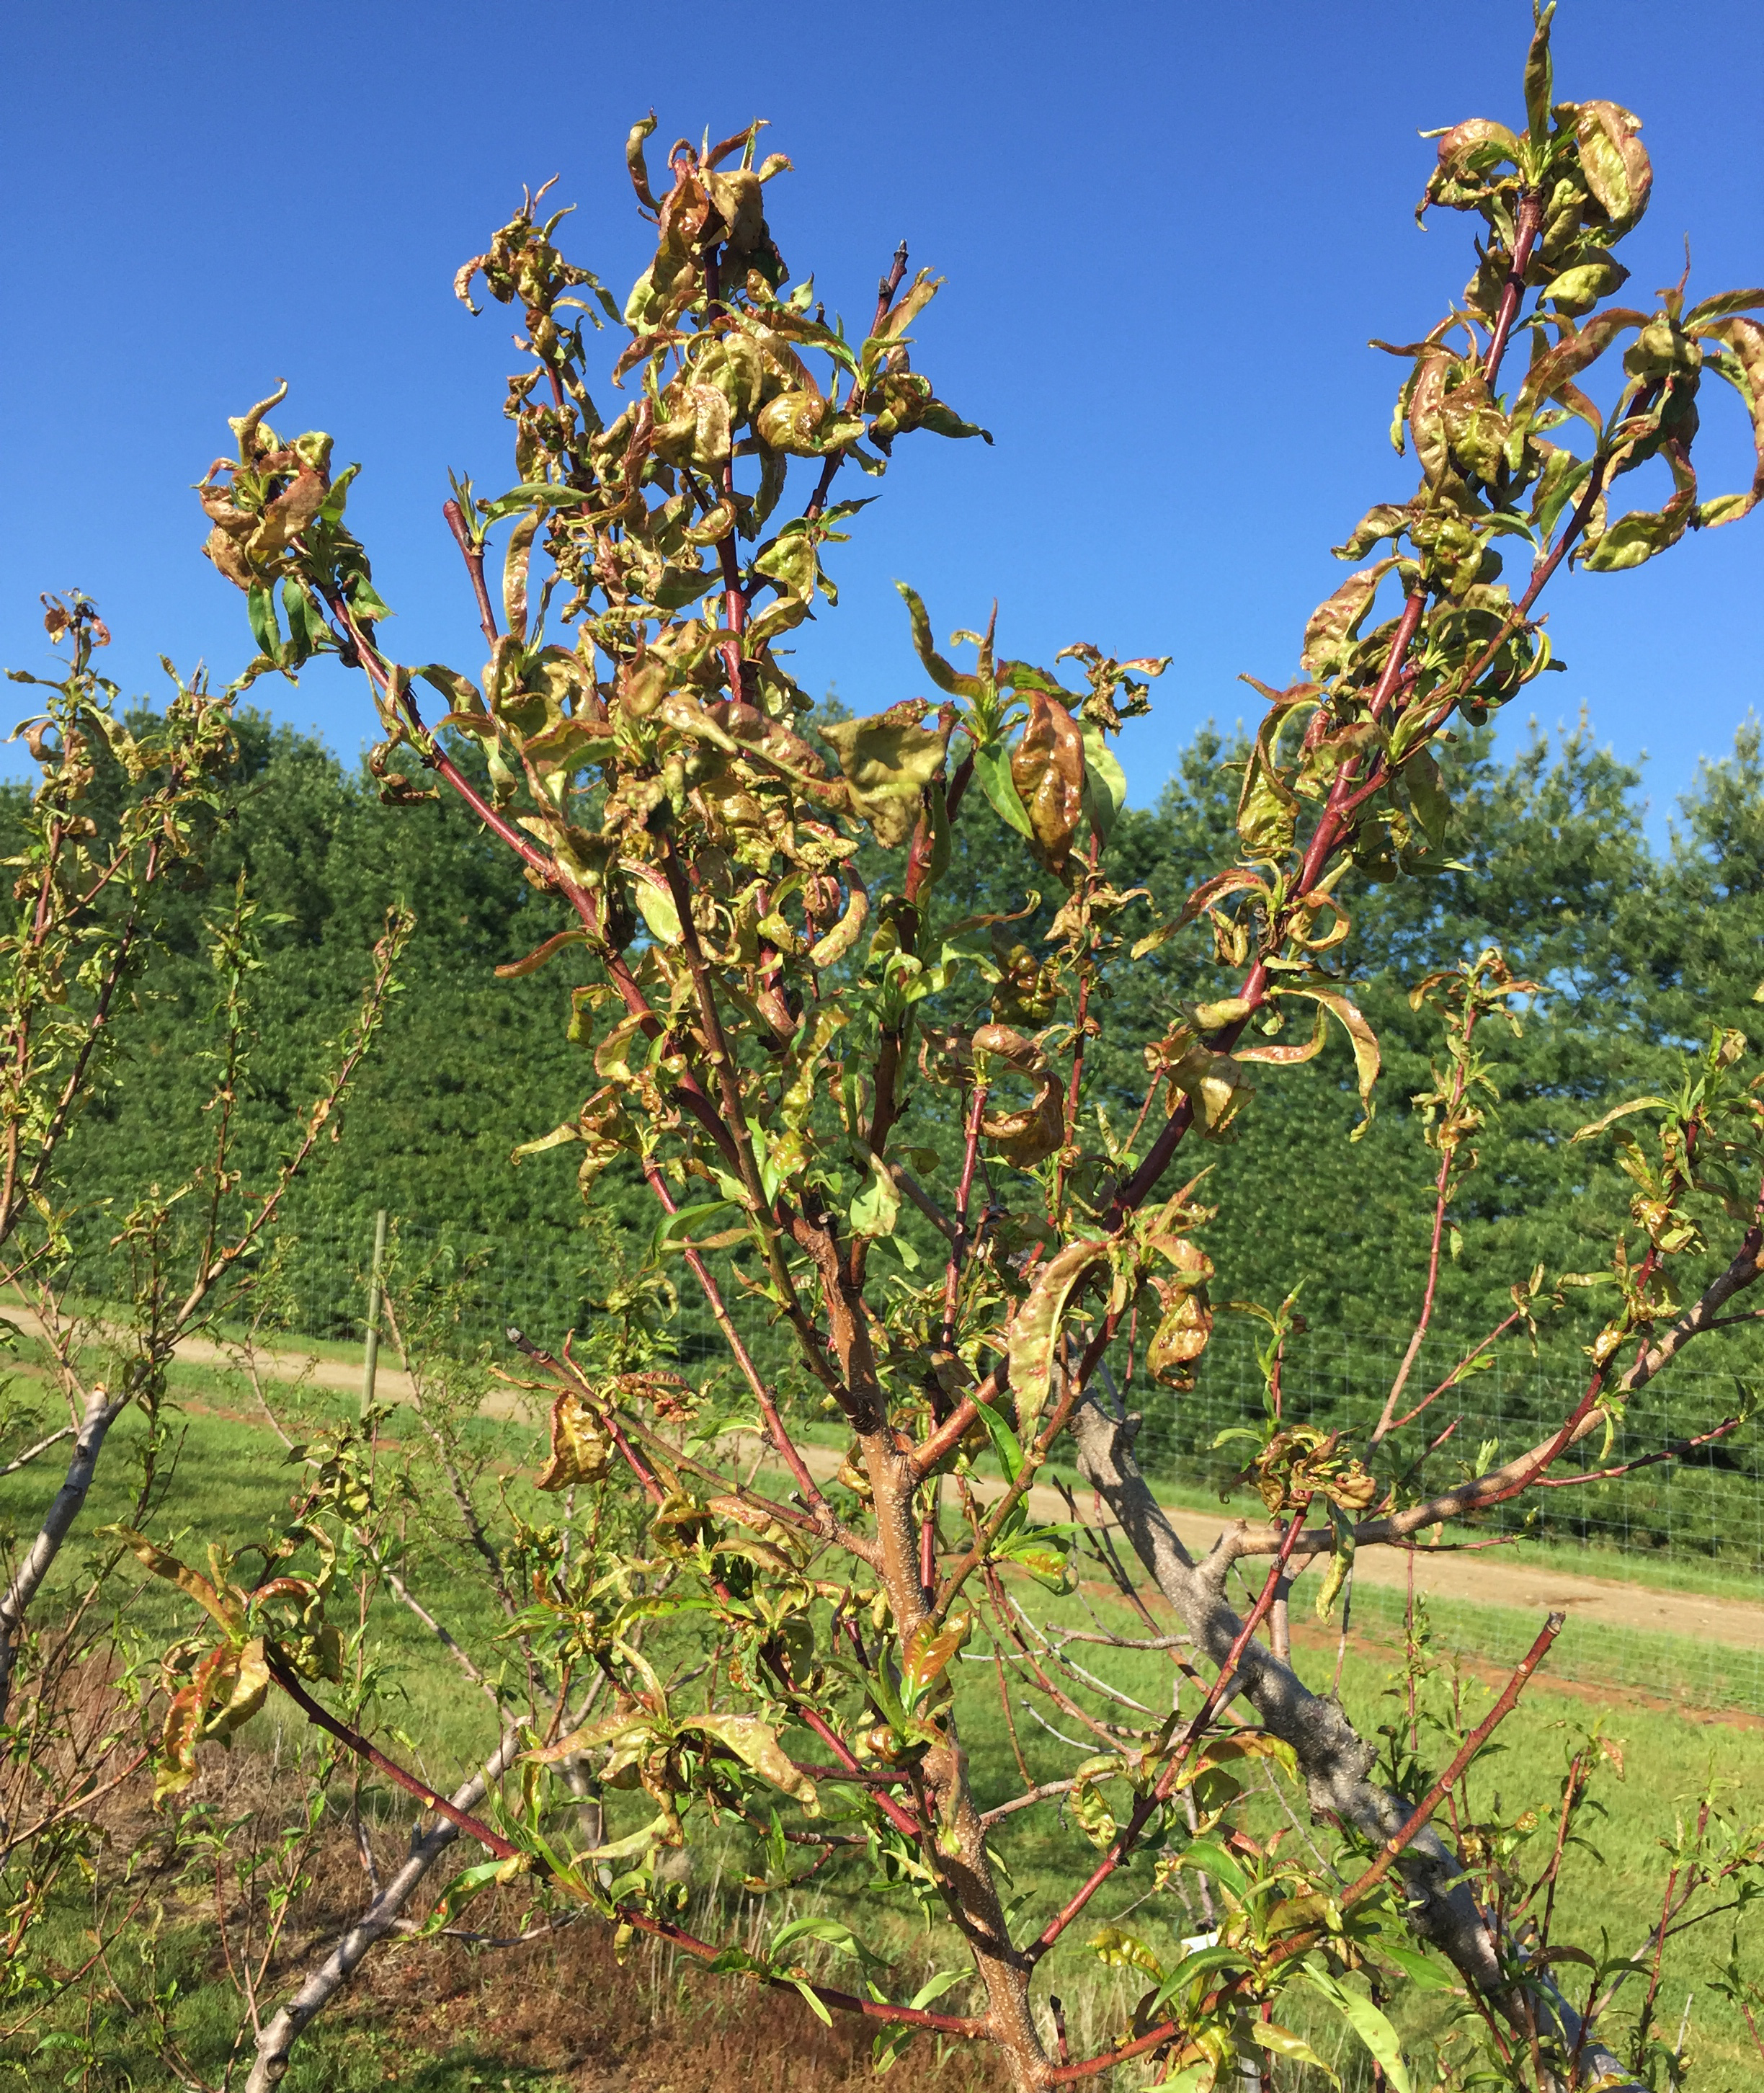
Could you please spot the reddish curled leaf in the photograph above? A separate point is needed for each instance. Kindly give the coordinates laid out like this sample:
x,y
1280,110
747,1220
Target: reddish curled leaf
x,y
928,1651
1035,1335
225,1690
1031,1134
1743,341
1046,768
1335,623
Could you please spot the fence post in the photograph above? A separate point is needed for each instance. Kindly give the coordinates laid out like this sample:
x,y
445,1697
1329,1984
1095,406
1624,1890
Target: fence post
x,y
370,1355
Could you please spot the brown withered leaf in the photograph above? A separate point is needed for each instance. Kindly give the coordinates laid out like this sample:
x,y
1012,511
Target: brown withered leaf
x,y
580,1449
1047,767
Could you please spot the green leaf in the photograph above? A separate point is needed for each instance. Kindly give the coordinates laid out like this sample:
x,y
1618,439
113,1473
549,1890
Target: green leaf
x,y
1105,782
1196,2077
1367,2021
891,2041
992,766
655,905
260,611
677,1229
1269,2035
1211,1859
814,2004
1006,1443
1421,1969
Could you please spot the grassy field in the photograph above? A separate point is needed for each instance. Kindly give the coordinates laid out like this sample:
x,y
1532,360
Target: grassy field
x,y
564,2013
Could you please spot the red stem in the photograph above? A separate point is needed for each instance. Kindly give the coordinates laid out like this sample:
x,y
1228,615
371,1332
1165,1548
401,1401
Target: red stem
x,y
1143,1809
473,557
1525,230
1299,1943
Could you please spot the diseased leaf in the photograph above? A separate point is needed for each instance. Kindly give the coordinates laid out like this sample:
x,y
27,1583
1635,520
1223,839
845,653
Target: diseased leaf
x,y
1360,1036
580,1449
1540,77
1048,770
887,760
946,677
1034,1334
1616,1113
927,1657
756,1744
655,905
1121,1950
1335,622
877,1207
1615,161
1742,366
1270,2035
222,1605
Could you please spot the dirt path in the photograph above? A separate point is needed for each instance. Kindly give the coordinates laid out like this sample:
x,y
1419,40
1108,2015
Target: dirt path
x,y
1483,1578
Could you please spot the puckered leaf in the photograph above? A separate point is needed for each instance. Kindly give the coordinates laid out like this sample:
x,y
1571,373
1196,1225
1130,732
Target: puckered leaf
x,y
1034,1334
580,1449
887,760
1615,161
1048,770
756,1745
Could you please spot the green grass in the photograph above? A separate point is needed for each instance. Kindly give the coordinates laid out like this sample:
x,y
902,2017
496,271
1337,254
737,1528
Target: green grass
x,y
232,1484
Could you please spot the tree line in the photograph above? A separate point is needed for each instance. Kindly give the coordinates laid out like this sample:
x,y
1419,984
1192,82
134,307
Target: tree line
x,y
1636,951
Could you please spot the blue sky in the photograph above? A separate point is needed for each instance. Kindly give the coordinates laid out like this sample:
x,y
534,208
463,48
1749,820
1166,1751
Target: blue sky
x,y
1167,232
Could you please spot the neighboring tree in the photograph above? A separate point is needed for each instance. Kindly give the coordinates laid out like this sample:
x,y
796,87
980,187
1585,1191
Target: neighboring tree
x,y
123,815
867,1122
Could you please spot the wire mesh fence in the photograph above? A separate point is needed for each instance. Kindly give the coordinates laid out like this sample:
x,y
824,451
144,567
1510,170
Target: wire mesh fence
x,y
1700,1511
1704,1503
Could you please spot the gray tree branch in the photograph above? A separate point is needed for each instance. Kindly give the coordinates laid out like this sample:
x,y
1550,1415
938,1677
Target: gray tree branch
x,y
1336,1762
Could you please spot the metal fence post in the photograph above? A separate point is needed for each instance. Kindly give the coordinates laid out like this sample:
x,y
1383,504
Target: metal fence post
x,y
370,1355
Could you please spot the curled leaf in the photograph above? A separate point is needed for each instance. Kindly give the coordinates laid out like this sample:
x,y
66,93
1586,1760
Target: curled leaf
x,y
580,1449
756,1745
1035,1335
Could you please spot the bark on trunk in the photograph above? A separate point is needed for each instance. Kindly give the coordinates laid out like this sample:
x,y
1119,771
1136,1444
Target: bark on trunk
x,y
100,1414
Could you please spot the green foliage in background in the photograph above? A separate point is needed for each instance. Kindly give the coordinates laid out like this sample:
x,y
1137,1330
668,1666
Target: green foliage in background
x,y
1638,951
